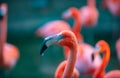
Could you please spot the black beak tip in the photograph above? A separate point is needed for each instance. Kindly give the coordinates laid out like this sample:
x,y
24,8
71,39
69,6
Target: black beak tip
x,y
41,52
44,47
1,17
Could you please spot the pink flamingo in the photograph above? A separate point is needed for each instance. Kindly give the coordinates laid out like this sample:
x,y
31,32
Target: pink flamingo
x,y
118,48
9,54
52,27
89,14
64,38
55,27
102,46
113,6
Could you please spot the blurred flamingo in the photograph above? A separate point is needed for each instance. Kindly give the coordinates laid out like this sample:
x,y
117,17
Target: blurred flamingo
x,y
118,48
113,6
64,38
52,28
9,54
103,46
89,14
57,26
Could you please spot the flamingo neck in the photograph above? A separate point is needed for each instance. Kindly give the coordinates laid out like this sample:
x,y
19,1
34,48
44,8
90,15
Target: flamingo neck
x,y
2,37
60,69
70,62
91,3
106,58
77,24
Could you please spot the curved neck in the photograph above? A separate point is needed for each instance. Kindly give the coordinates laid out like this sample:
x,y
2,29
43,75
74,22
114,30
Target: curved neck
x,y
106,58
2,37
77,20
77,24
91,3
60,69
70,62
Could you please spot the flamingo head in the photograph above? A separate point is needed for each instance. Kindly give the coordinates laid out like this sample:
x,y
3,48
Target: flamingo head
x,y
95,52
71,12
64,38
100,47
48,41
1,13
3,10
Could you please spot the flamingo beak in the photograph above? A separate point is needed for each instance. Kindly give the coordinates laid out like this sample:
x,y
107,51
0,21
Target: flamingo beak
x,y
2,13
67,14
95,52
48,41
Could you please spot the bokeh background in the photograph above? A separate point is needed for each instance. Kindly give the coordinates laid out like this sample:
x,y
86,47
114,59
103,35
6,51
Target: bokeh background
x,y
26,16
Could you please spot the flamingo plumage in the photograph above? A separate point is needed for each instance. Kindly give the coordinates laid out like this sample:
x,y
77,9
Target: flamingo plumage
x,y
89,14
113,6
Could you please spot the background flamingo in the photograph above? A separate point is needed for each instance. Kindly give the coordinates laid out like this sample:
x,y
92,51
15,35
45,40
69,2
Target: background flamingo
x,y
3,16
89,13
118,48
9,54
64,38
52,28
74,13
113,6
55,27
102,46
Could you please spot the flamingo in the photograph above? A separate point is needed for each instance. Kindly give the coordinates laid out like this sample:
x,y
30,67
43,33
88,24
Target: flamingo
x,y
103,46
113,6
57,26
64,38
89,14
118,48
9,53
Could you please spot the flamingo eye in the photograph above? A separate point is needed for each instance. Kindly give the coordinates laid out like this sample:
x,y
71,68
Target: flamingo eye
x,y
93,57
96,50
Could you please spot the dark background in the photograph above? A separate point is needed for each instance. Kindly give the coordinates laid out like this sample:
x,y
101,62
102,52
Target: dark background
x,y
26,16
